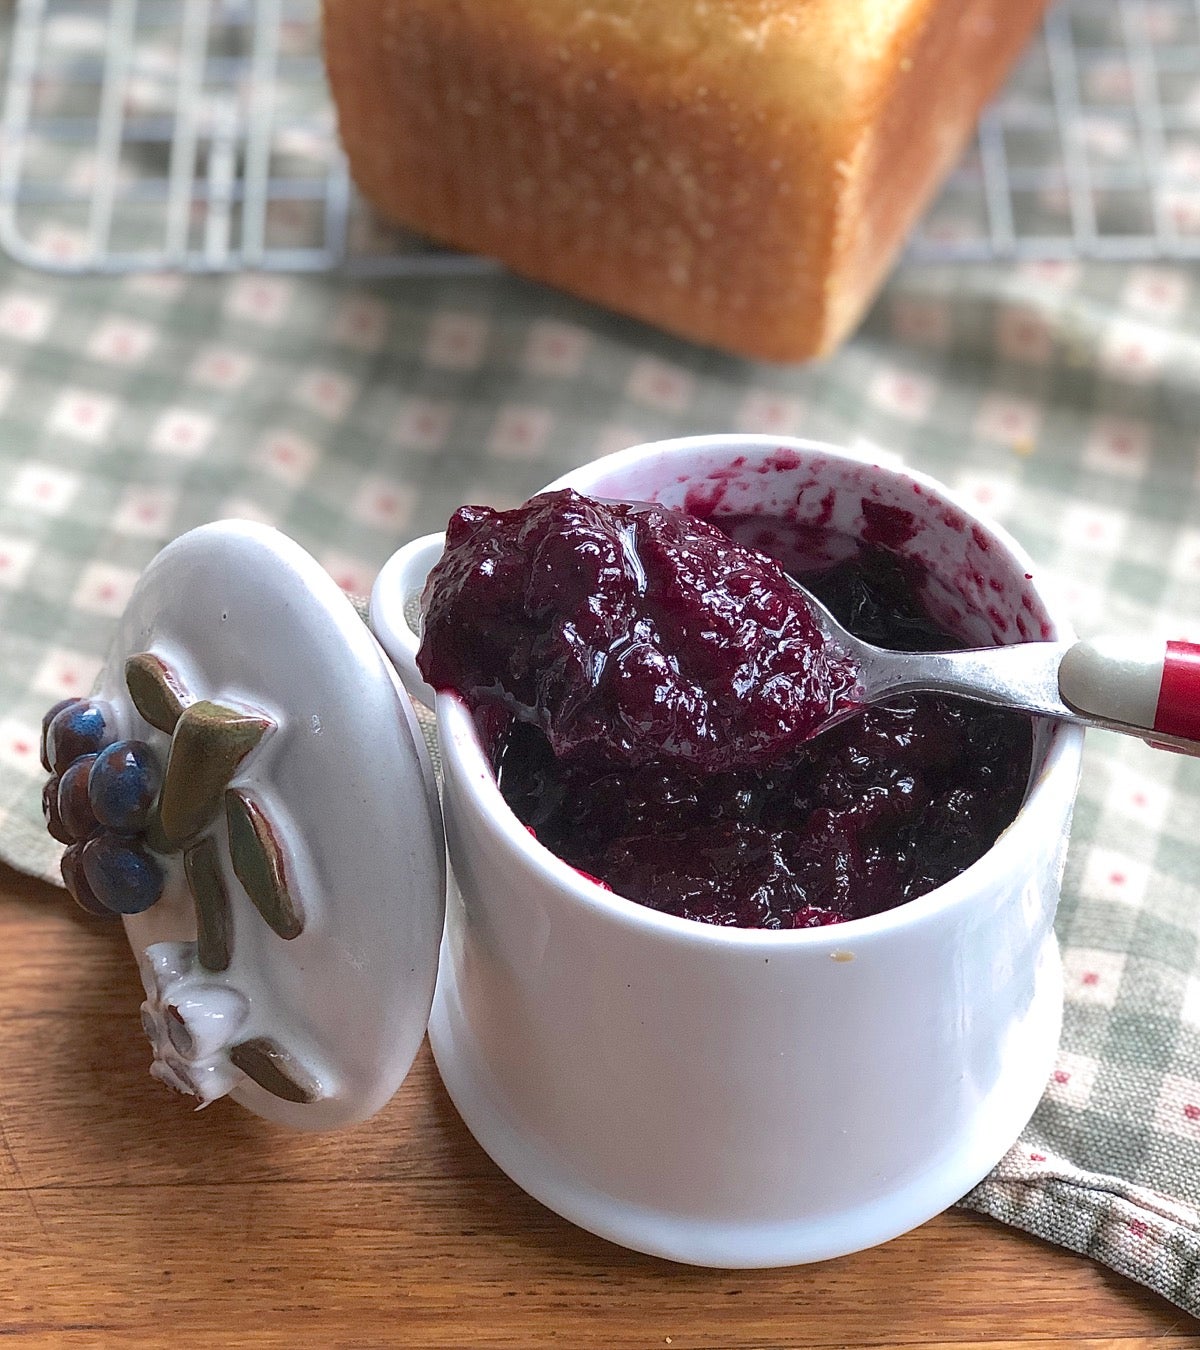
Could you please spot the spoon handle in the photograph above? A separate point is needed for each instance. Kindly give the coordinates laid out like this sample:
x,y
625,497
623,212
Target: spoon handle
x,y
1144,683
1141,688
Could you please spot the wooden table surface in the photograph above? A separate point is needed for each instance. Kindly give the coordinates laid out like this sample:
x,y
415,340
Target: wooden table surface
x,y
126,1219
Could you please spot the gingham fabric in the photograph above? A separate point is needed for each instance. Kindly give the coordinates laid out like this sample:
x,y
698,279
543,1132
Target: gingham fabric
x,y
1063,400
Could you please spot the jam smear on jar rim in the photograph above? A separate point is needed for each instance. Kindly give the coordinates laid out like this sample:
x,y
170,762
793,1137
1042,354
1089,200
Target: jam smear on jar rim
x,y
645,688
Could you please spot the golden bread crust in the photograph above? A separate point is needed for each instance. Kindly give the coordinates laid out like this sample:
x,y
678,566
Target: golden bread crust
x,y
740,172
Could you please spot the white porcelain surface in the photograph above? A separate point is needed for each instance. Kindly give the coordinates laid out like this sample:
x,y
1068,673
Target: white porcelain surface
x,y
245,617
749,1098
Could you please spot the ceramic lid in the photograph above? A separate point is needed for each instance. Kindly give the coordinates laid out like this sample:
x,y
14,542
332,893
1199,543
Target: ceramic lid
x,y
291,959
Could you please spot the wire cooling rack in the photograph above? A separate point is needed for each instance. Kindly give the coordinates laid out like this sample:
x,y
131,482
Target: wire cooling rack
x,y
198,134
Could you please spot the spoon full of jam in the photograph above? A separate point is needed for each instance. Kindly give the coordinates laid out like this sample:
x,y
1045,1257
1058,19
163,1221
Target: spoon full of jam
x,y
637,633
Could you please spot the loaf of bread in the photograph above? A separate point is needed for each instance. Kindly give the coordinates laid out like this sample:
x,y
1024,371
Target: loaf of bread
x,y
740,172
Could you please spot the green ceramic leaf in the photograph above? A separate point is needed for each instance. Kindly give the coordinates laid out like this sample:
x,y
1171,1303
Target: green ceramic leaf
x,y
156,840
259,864
214,936
209,743
274,1070
156,690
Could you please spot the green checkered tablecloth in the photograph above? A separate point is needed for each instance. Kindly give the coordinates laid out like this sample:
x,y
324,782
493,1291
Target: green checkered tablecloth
x,y
1064,400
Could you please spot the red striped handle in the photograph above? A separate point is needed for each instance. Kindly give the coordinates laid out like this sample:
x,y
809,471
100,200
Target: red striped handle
x,y
1143,685
1178,710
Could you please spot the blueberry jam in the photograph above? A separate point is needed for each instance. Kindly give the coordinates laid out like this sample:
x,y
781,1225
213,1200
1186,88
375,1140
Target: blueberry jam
x,y
616,659
628,635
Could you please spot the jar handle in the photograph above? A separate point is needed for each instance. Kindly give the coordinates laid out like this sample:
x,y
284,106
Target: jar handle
x,y
399,584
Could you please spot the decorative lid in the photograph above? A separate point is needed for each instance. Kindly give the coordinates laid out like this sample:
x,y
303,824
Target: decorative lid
x,y
290,959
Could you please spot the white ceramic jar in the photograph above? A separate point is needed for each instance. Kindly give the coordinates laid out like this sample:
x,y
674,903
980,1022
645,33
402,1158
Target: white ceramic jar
x,y
735,1097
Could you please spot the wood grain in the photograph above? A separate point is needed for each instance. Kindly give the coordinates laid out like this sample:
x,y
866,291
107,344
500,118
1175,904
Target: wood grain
x,y
126,1218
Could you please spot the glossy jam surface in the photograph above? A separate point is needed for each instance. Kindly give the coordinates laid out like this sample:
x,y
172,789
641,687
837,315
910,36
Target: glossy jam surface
x,y
628,635
775,834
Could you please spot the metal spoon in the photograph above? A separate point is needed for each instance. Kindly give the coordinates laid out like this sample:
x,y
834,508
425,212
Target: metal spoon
x,y
1139,687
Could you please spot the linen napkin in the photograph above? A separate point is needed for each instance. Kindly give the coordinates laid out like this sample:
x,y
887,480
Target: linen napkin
x,y
1061,399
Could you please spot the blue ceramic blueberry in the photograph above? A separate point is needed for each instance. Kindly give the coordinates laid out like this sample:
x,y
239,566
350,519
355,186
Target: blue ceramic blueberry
x,y
74,805
80,728
77,884
122,873
122,785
